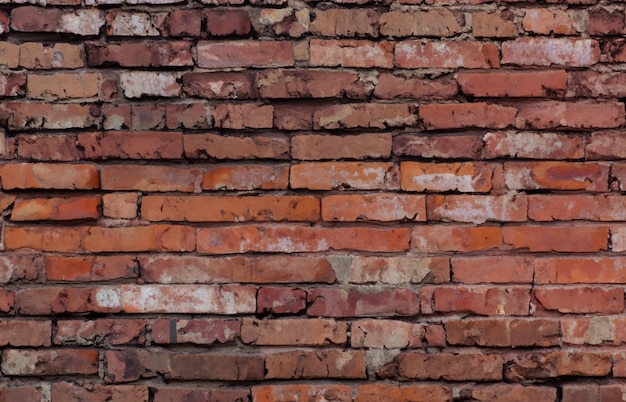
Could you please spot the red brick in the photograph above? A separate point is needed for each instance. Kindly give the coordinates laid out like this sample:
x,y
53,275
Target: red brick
x,y
440,146
277,84
351,53
582,114
215,366
7,301
362,146
362,303
310,392
385,207
584,270
513,83
463,115
18,394
399,270
202,146
134,364
463,177
69,208
89,268
201,395
556,176
438,22
368,115
183,115
457,367
228,22
245,53
545,22
336,22
390,86
585,207
58,239
418,54
515,393
26,116
21,333
533,146
304,332
280,300
194,331
246,177
593,330
293,116
139,238
130,23
37,56
286,22
383,392
230,209
509,269
220,85
388,334
18,267
243,115
138,84
352,175
502,332
182,23
49,300
241,269
557,238
553,364
100,332
49,176
479,299
581,299
49,362
5,25
139,54
150,178
494,25
328,363
48,148
440,238
511,207
541,51
12,84
131,145
606,145
69,392
606,21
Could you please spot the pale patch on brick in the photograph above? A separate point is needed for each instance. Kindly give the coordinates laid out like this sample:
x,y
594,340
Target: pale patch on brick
x,y
139,84
83,22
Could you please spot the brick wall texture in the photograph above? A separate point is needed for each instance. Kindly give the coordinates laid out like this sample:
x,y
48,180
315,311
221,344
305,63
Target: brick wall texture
x,y
272,200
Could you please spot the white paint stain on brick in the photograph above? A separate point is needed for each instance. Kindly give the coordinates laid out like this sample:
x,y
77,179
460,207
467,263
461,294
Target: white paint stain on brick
x,y
147,83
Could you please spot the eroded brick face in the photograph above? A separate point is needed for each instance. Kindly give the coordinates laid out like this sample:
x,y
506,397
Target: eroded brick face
x,y
272,200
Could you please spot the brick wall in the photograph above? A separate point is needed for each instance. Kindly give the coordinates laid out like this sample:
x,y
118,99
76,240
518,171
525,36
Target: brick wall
x,y
230,200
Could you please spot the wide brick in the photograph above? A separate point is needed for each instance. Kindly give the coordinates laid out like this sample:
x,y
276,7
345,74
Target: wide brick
x,y
23,393
336,22
100,332
351,53
302,332
277,84
63,86
26,115
150,178
89,268
329,363
399,270
19,333
243,116
457,367
419,54
557,238
439,146
438,22
500,332
442,238
388,334
568,270
49,362
479,299
150,116
139,54
37,56
464,115
62,209
131,145
194,331
545,22
70,392
362,303
541,51
381,392
49,176
225,22
464,177
36,19
584,206
385,207
170,394
245,53
510,207
59,239
280,300
556,176
139,238
238,269
494,25
496,269
52,300
219,85
230,209
246,177
553,364
216,366
513,83
581,114
218,146
515,393
391,86
139,84
581,299
369,115
329,392
58,147
533,145
297,238
362,146
352,175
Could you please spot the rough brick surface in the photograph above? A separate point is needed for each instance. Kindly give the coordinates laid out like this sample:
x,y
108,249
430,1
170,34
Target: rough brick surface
x,y
344,200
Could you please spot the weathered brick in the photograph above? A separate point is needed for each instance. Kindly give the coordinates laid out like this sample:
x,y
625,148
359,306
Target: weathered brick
x,y
384,207
216,366
218,146
100,332
270,393
280,83
132,364
494,25
418,54
140,54
567,270
388,334
194,331
220,85
515,393
71,392
144,83
439,146
545,22
362,146
89,268
541,51
495,269
309,332
40,147
399,270
59,239
513,83
120,205
150,178
433,239
139,238
329,363
362,303
280,300
463,115
37,56
243,116
438,22
485,300
463,177
583,206
19,333
582,114
393,86
368,115
553,364
62,209
130,23
606,21
49,176
354,175
228,22
12,84
509,332
246,177
556,176
239,54
27,115
375,392
581,299
582,239
533,145
49,362
351,53
511,207
459,367
18,267
606,145
131,145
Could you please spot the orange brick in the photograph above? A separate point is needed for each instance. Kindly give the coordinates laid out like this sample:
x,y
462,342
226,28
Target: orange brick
x,y
494,25
140,238
58,239
380,392
545,22
440,238
246,177
464,177
568,270
120,205
37,209
510,269
49,176
245,53
63,86
511,207
385,207
354,175
89,268
556,176
482,300
581,239
150,178
581,299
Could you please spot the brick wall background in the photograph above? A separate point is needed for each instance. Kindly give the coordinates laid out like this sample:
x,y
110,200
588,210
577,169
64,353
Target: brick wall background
x,y
272,200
